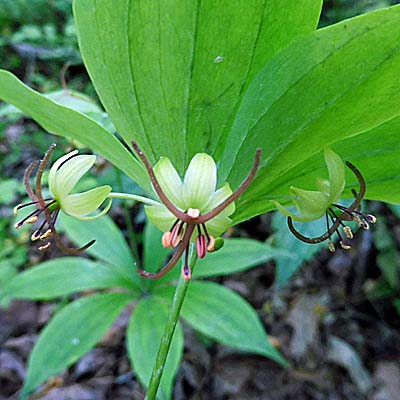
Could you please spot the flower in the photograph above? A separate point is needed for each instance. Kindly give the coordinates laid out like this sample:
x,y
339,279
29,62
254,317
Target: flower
x,y
63,177
192,209
313,205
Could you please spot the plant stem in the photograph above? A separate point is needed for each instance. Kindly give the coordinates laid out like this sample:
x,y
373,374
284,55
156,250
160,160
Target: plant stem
x,y
166,339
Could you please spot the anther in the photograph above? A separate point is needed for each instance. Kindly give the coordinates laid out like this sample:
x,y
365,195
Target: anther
x,y
364,224
211,244
45,235
331,246
370,218
201,246
176,235
348,232
193,213
45,247
35,235
344,246
166,239
32,220
16,208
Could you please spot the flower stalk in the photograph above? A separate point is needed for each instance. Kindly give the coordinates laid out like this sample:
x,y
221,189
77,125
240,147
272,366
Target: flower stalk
x,y
169,330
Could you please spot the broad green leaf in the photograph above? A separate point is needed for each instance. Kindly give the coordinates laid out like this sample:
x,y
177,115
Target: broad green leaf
x,y
236,255
170,73
226,317
64,121
70,334
63,276
143,338
335,83
374,153
296,252
110,245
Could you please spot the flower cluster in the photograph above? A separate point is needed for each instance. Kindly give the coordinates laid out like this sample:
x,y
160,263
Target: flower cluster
x,y
313,205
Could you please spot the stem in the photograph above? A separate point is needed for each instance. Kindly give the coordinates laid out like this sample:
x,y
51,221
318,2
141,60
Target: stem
x,y
128,196
166,339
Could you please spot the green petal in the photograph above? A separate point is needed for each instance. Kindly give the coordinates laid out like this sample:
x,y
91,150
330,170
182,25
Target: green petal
x,y
71,172
336,174
170,182
160,216
218,197
200,181
81,204
218,225
53,172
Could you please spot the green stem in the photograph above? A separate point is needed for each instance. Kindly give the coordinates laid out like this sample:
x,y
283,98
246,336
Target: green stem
x,y
128,196
169,330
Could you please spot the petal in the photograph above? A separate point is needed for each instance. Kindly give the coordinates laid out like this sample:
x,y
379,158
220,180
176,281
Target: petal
x,y
82,204
218,197
218,225
336,174
54,189
160,216
312,205
200,181
71,172
170,182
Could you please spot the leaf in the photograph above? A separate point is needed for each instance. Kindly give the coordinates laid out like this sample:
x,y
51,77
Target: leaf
x,y
223,315
236,255
170,73
63,276
64,121
296,251
110,246
143,338
335,83
70,334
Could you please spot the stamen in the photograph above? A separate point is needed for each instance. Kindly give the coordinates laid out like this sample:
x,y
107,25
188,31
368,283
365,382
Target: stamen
x,y
166,239
177,234
35,235
344,246
32,220
45,247
370,218
45,235
211,244
348,232
201,245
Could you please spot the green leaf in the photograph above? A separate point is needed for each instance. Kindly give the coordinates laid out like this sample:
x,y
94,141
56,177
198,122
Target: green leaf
x,y
64,121
223,315
63,276
338,82
296,252
170,73
110,245
236,255
70,334
143,338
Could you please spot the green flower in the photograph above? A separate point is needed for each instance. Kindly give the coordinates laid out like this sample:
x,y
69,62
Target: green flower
x,y
63,177
192,209
312,205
